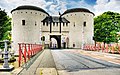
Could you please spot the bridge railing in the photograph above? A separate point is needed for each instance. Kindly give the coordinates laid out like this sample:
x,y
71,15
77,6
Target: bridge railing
x,y
111,48
26,51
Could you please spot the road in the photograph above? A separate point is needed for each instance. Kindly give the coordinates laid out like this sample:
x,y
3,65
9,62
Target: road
x,y
70,63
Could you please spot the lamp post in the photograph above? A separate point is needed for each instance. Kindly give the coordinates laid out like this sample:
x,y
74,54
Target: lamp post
x,y
5,65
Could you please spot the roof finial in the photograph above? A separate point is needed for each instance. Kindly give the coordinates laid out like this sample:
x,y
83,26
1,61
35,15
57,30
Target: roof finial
x,y
59,13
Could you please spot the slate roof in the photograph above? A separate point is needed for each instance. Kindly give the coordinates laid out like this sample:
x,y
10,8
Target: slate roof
x,y
77,10
55,19
28,7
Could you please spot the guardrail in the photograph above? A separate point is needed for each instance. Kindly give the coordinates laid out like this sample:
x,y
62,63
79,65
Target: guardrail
x,y
111,48
26,51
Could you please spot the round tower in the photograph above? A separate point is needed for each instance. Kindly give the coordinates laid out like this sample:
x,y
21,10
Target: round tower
x,y
26,27
81,26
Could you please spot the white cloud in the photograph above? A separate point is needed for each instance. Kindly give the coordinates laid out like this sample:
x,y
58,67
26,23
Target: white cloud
x,y
107,5
63,7
80,4
55,6
52,6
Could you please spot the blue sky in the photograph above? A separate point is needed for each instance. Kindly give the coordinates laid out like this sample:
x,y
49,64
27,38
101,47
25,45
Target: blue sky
x,y
55,6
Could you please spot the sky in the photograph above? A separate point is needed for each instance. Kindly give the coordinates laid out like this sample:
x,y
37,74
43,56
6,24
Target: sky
x,y
53,7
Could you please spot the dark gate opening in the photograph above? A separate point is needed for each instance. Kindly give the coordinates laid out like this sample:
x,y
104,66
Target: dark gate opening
x,y
58,39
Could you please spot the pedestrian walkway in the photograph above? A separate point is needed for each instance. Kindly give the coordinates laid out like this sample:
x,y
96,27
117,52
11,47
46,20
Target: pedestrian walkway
x,y
43,65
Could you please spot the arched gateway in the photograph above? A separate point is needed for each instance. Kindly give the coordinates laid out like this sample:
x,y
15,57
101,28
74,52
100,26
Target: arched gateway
x,y
58,39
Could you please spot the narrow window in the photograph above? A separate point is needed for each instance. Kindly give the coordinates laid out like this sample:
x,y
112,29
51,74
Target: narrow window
x,y
23,22
43,23
84,24
74,24
35,23
63,24
57,23
66,24
47,24
53,23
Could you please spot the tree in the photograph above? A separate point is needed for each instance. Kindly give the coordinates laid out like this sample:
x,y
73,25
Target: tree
x,y
106,27
5,26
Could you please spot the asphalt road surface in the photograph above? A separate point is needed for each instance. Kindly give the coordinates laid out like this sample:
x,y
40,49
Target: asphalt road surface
x,y
70,63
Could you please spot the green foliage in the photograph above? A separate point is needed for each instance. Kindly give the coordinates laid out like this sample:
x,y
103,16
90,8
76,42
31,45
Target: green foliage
x,y
106,27
5,26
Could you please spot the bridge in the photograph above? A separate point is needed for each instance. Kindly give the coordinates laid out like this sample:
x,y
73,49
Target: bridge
x,y
33,59
73,62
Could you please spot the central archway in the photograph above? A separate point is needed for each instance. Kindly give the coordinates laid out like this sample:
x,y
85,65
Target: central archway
x,y
58,39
